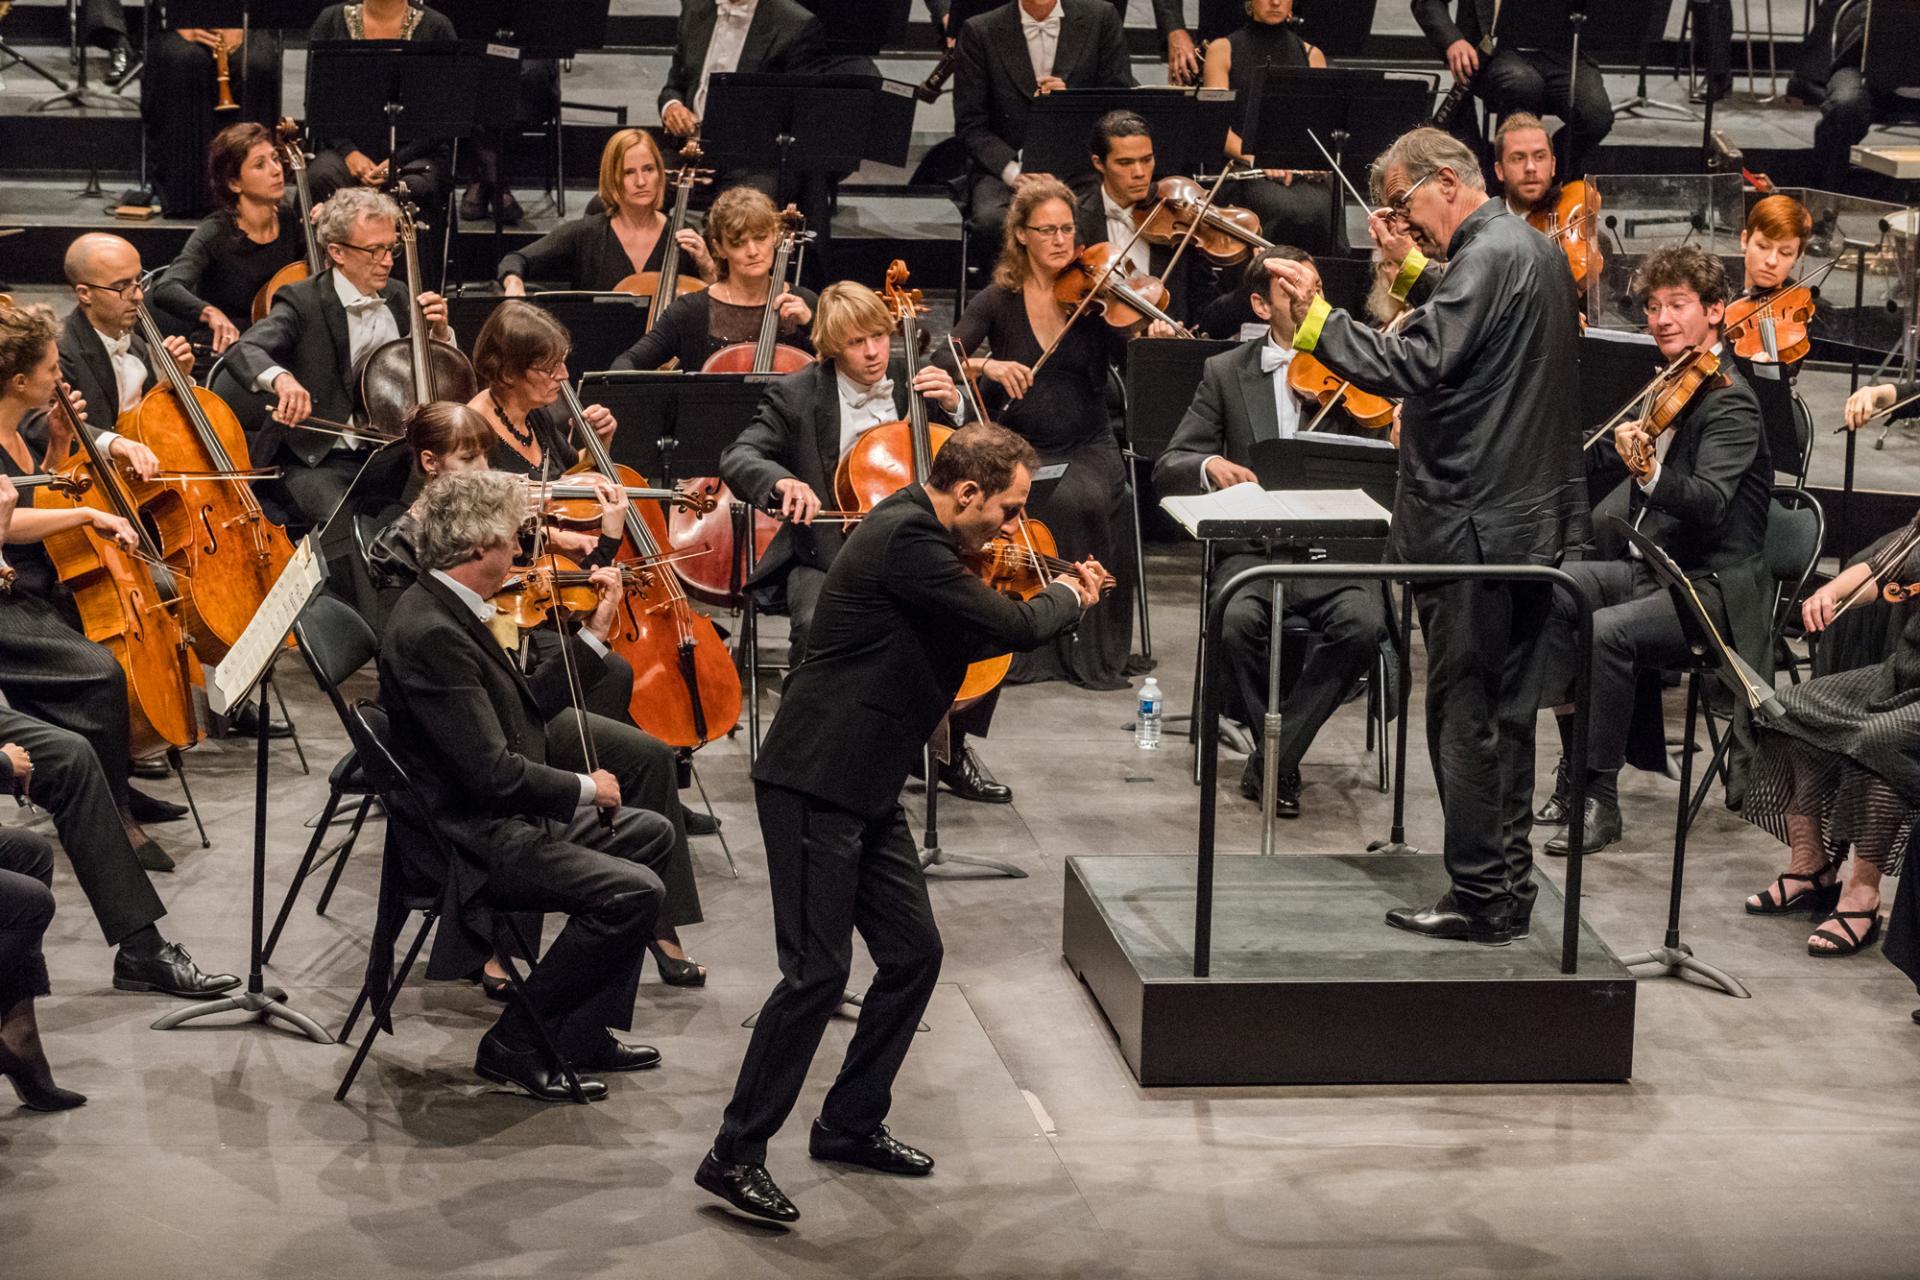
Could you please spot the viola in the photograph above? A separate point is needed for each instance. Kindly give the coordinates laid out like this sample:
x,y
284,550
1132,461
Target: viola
x,y
293,157
417,369
686,689
209,526
1224,235
663,286
1573,221
1773,326
557,583
1666,398
1097,280
1026,562
1309,378
122,605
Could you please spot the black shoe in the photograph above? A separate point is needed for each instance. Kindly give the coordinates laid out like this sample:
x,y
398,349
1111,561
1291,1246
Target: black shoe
x,y
1286,788
530,1071
499,990
34,1084
747,1187
149,853
1554,812
473,205
967,778
618,1055
245,723
1520,925
142,807
171,972
511,214
677,973
1601,829
1444,920
119,62
152,768
700,822
877,1150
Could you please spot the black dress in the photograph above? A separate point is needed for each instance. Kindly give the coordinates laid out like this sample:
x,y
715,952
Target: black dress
x,y
223,267
1847,753
696,325
585,254
1299,213
1064,417
178,90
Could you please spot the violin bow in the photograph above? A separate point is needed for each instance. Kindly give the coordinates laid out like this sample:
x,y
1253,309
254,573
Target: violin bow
x,y
967,382
1638,401
1112,262
1881,569
576,691
1200,214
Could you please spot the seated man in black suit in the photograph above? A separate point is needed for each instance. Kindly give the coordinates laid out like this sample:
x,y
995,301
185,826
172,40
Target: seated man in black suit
x,y
899,620
103,353
1700,489
1006,58
301,359
528,834
1122,151
1244,398
787,459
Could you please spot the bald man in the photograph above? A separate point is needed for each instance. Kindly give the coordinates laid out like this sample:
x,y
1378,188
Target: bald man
x,y
103,355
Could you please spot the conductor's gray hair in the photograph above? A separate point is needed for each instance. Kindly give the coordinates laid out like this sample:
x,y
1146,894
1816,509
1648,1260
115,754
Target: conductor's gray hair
x,y
1421,153
347,206
465,513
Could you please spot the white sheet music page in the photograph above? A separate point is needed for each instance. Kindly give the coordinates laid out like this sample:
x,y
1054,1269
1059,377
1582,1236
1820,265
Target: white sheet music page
x,y
239,671
1250,502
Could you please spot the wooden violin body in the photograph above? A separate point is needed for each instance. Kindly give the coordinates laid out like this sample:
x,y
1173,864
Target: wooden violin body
x,y
1096,280
1774,327
1314,380
1224,234
1574,221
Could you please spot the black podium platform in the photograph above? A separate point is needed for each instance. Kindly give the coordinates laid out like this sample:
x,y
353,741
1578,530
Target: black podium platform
x,y
1309,986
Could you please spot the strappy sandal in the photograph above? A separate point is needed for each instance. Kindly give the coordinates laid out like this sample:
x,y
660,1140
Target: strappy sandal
x,y
1816,897
1853,941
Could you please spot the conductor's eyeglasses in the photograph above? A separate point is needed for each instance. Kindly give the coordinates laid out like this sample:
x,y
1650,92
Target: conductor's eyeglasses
x,y
1397,207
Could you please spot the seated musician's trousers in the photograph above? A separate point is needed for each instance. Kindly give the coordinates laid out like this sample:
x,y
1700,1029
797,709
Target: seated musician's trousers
x,y
1634,625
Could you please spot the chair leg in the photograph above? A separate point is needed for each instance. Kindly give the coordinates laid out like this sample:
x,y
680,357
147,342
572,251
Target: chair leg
x,y
340,854
300,876
179,767
547,1044
718,831
293,730
380,1015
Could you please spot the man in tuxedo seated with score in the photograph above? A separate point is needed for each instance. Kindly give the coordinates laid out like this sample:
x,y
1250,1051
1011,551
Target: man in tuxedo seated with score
x,y
303,359
1244,398
786,460
1122,150
528,835
1006,58
1700,489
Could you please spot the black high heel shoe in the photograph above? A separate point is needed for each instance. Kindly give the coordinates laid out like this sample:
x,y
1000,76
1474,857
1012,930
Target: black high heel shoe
x,y
677,973
35,1095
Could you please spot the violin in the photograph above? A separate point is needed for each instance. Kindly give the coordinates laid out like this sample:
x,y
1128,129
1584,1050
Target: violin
x,y
1026,563
1096,280
1309,378
1772,327
686,689
123,605
1666,398
293,158
1223,234
555,582
578,506
662,286
1574,221
417,369
211,530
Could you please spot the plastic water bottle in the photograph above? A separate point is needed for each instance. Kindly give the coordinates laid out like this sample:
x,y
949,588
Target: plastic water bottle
x,y
1146,725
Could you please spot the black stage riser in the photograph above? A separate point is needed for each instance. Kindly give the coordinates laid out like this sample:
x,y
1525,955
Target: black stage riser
x,y
1413,1029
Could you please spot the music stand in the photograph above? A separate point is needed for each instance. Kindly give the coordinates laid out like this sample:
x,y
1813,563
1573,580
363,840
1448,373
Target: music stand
x,y
805,123
1189,128
1322,460
534,28
601,325
1886,55
862,27
409,89
690,417
1356,114
1613,366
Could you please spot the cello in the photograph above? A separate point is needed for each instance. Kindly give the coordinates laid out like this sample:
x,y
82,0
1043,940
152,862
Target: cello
x,y
123,606
710,572
663,286
210,529
686,690
293,157
418,368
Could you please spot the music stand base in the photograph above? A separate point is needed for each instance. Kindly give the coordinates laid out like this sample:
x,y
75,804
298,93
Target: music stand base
x,y
265,1005
1678,961
938,857
1392,847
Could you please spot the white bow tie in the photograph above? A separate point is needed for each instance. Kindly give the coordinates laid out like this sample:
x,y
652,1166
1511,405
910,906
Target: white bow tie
x,y
881,390
117,347
1049,26
1272,357
363,304
737,10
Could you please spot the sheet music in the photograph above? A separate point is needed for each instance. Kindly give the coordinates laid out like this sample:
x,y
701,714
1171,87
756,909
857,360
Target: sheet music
x,y
1279,507
237,673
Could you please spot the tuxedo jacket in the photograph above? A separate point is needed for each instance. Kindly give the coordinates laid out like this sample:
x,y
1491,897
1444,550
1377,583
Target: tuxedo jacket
x,y
1470,20
993,84
782,38
899,619
87,368
306,334
795,434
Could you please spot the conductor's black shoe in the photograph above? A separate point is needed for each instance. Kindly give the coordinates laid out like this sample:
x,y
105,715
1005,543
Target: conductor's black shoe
x,y
170,971
1554,812
967,778
1444,920
142,807
877,1150
618,1055
1601,828
529,1069
119,62
747,1187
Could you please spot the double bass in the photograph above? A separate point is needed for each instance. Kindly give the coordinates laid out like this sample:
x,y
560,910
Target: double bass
x,y
663,286
293,158
209,526
417,369
710,571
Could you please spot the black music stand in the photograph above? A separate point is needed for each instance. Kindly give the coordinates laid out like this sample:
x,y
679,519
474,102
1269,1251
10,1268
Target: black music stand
x,y
1189,128
1356,114
804,123
1321,460
689,417
601,325
860,28
409,89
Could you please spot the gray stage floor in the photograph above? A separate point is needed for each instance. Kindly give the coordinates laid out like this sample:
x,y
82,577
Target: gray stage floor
x,y
1771,1137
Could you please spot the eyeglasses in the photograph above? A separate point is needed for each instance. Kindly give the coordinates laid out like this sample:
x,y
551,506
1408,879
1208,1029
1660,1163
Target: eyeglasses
x,y
123,288
1397,207
374,252
555,372
1047,233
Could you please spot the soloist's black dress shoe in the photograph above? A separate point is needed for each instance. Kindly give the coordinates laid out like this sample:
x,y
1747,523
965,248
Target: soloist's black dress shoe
x,y
967,778
618,1055
529,1069
1444,920
747,1187
1554,812
142,807
170,971
877,1150
1601,828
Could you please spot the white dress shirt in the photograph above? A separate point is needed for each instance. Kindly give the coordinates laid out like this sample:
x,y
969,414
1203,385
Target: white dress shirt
x,y
128,370
1274,361
485,611
730,22
864,408
1120,230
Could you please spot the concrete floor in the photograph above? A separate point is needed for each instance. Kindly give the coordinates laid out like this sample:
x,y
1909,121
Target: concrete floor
x,y
1770,1137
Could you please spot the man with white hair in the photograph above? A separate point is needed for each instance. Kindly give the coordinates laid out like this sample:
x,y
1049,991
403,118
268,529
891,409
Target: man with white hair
x,y
304,357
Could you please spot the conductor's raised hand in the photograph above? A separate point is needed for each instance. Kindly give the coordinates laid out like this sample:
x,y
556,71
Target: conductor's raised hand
x,y
1298,284
798,502
1384,230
